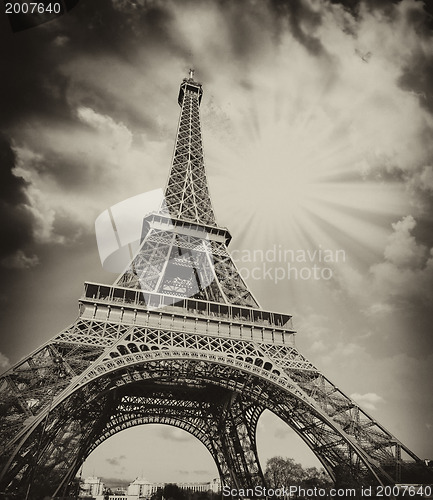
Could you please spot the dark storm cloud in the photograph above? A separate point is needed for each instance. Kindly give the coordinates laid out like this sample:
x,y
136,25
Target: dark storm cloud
x,y
354,5
418,77
41,94
15,218
34,84
246,25
303,20
71,173
418,73
103,100
31,86
386,7
119,29
11,187
300,15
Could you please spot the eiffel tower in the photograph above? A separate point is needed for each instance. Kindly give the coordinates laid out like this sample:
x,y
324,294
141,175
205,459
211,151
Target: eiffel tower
x,y
179,339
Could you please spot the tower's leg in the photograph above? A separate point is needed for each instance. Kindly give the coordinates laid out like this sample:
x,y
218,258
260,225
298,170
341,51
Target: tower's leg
x,y
237,430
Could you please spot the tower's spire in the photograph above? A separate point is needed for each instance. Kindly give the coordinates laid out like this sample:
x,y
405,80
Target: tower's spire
x,y
183,252
187,194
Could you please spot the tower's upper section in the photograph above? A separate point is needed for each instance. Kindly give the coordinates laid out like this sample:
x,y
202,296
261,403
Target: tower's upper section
x,y
187,194
189,85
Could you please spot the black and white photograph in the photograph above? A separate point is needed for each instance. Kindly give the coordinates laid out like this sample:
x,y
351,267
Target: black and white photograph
x,y
217,249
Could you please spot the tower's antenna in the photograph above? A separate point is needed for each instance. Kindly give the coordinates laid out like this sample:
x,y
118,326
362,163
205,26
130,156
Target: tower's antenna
x,y
191,73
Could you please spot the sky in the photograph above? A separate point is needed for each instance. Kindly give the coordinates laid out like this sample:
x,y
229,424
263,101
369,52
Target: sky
x,y
317,122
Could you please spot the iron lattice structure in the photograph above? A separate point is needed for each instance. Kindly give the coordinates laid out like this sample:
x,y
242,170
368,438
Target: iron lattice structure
x,y
179,339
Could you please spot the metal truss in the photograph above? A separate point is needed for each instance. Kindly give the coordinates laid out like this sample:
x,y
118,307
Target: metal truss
x,y
179,339
187,194
185,260
209,413
150,362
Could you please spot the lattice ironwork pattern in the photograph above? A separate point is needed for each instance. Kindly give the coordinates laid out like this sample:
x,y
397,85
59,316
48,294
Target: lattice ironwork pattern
x,y
185,265
180,340
187,194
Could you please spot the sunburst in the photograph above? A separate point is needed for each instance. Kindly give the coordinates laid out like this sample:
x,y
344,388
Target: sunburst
x,y
305,184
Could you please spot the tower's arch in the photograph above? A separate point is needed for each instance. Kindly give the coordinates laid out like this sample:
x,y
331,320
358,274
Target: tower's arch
x,y
214,396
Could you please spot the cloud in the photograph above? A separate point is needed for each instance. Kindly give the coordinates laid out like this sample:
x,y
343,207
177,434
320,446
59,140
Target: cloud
x,y
63,170
16,218
115,481
379,309
19,260
303,21
174,434
115,460
420,63
369,401
393,296
317,328
419,185
281,430
402,249
30,166
117,134
61,40
113,128
4,362
407,271
423,179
